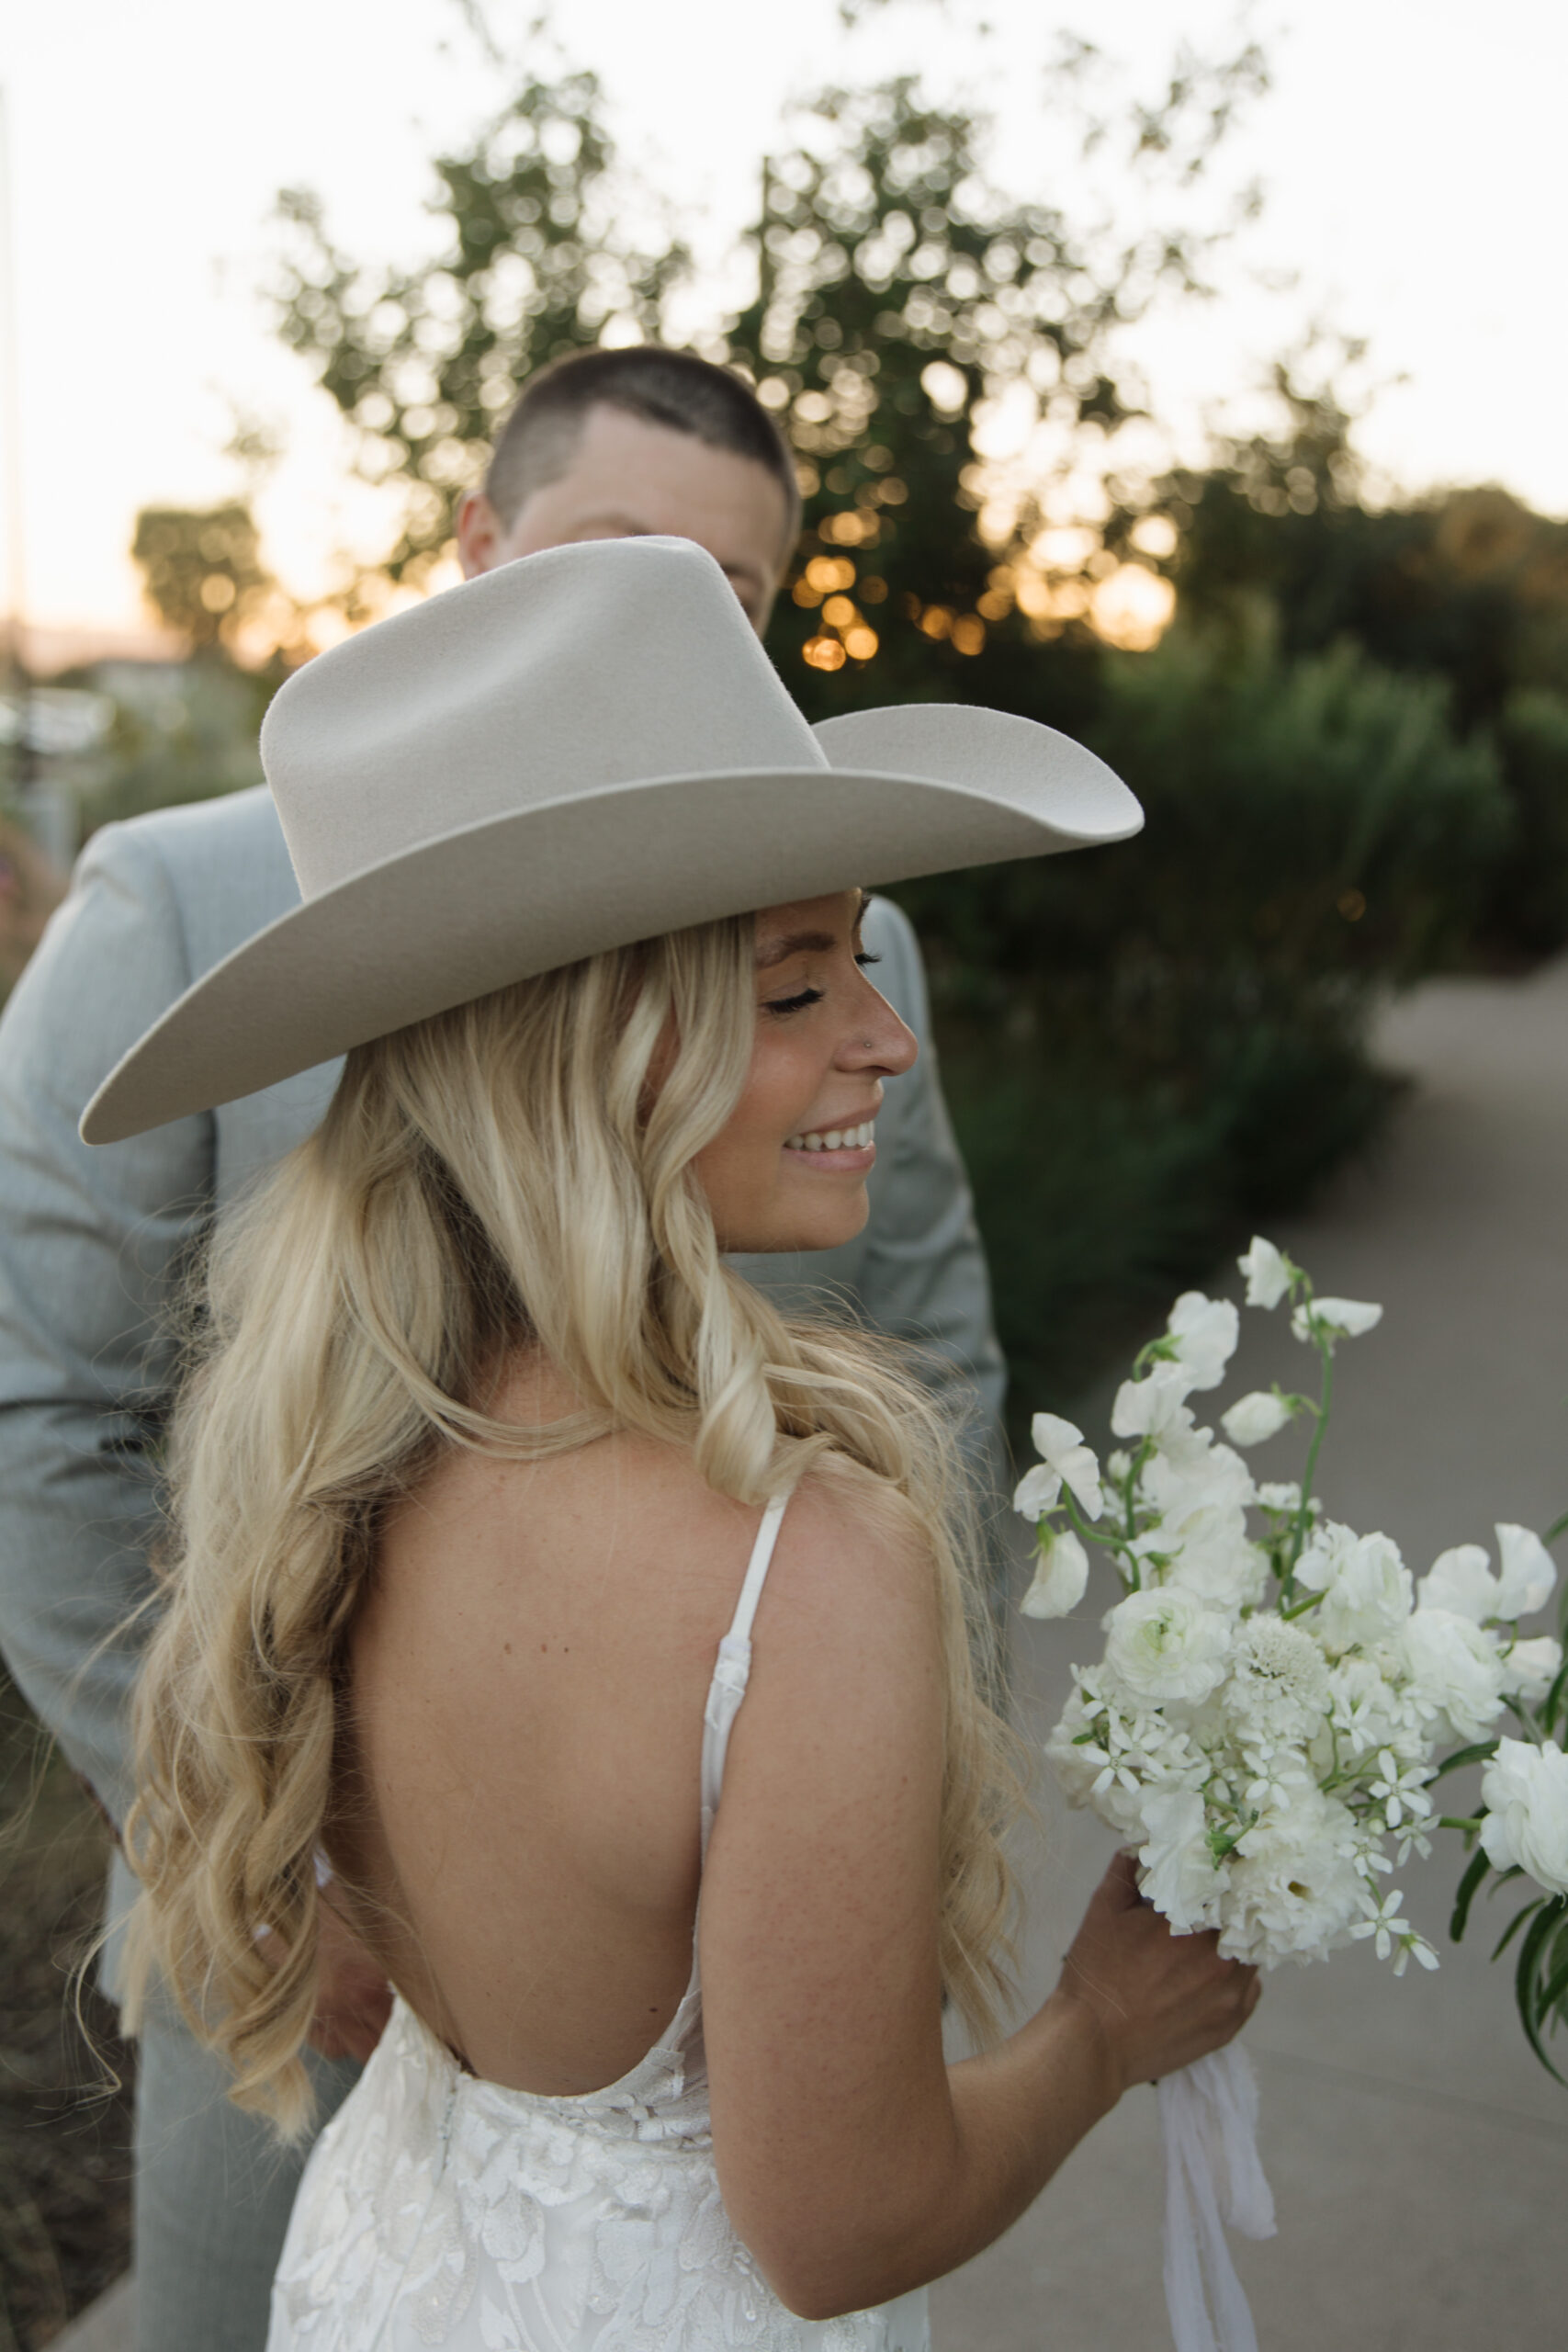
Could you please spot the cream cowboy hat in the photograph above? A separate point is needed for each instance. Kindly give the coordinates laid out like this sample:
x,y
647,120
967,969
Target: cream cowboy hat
x,y
584,747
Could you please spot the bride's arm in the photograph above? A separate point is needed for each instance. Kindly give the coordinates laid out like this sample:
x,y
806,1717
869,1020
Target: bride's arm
x,y
854,2163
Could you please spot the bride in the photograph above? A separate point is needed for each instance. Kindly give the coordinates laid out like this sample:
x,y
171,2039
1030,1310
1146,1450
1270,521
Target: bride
x,y
598,1642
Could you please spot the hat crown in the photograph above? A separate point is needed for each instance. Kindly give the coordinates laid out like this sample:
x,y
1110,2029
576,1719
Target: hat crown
x,y
564,673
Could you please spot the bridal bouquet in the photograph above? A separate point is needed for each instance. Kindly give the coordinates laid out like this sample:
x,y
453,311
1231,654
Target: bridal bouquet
x,y
1273,1702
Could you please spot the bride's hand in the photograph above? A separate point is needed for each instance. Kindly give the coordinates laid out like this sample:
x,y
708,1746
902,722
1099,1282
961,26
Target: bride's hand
x,y
1158,2000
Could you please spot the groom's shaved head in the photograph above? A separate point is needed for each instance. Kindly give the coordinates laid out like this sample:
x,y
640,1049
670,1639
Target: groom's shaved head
x,y
672,389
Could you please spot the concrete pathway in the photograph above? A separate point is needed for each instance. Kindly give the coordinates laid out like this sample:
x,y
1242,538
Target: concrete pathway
x,y
1416,2150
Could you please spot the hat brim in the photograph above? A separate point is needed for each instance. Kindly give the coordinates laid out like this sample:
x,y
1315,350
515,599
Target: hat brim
x,y
456,917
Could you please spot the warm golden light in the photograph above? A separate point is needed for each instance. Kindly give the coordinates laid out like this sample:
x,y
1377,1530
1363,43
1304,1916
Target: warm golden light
x,y
936,620
861,643
839,612
969,634
824,653
806,595
825,573
1132,608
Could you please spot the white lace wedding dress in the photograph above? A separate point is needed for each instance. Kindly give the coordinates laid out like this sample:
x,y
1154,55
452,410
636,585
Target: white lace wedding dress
x,y
439,2209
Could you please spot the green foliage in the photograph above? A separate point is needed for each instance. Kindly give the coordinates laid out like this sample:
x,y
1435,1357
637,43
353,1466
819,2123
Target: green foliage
x,y
424,361
1528,909
1150,1045
202,570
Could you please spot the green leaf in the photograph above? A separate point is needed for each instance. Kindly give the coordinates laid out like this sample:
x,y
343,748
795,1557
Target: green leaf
x,y
1514,1924
1480,1752
1479,1866
1539,1930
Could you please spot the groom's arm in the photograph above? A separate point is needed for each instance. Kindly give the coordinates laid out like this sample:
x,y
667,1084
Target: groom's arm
x,y
91,1245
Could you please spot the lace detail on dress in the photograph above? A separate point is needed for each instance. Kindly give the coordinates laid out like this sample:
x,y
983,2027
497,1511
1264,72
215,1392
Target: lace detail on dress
x,y
437,2209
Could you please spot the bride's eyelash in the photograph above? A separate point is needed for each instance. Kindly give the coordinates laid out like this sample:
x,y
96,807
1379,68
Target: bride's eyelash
x,y
813,996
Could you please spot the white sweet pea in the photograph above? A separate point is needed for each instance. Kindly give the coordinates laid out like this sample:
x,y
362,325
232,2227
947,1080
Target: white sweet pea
x,y
1529,1668
1454,1668
1345,1318
1061,1576
1038,1491
1526,1573
1255,1417
1366,1587
1181,1877
1060,1445
1204,1332
1166,1645
1154,1406
1268,1274
1460,1580
1281,1494
1525,1791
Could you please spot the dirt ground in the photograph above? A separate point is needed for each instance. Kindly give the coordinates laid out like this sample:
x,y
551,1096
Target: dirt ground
x,y
64,2079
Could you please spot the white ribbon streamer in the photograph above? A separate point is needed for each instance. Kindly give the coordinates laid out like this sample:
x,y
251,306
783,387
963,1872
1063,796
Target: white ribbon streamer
x,y
1212,2178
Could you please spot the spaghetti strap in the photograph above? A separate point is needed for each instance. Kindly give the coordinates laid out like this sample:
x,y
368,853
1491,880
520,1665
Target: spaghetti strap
x,y
733,1667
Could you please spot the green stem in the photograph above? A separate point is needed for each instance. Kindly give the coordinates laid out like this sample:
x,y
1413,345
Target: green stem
x,y
1298,1533
1460,1821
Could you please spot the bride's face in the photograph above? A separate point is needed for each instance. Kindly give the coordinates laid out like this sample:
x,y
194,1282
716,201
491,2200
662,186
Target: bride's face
x,y
789,1170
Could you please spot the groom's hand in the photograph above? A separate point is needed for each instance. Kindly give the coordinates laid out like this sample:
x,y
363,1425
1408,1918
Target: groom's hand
x,y
353,1999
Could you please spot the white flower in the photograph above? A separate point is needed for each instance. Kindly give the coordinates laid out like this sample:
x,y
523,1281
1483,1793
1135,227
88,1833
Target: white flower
x,y
1156,1405
1294,1884
1255,1417
1343,1319
1400,1788
1060,1577
1454,1669
1204,1331
1526,1573
1279,1685
1180,1877
1268,1274
1212,1556
1529,1668
1037,1491
1368,1712
1281,1494
1394,1934
1365,1584
1525,1791
1460,1580
1060,1445
1199,1476
1166,1645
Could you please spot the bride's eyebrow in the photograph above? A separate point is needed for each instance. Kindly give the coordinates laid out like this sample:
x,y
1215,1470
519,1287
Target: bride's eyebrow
x,y
807,943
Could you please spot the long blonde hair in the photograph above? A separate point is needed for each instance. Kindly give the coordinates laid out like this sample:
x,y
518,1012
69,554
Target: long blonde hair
x,y
503,1174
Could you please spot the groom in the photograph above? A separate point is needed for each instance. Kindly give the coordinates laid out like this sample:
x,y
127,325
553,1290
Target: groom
x,y
92,1244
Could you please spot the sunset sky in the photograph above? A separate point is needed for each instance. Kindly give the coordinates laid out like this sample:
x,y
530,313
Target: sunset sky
x,y
1411,158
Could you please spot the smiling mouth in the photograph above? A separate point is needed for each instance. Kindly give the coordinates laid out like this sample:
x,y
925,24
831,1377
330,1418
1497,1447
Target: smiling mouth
x,y
835,1138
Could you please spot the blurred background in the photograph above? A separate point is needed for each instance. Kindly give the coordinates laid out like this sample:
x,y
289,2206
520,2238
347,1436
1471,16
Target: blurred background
x,y
1192,385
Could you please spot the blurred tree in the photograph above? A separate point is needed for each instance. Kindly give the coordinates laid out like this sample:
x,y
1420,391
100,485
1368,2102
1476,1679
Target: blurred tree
x,y
423,361
202,570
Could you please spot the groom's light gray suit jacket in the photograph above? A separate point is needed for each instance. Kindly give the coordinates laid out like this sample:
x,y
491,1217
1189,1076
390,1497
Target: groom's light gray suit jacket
x,y
92,1240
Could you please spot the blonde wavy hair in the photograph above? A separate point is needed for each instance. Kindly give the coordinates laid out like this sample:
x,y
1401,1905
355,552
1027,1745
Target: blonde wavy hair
x,y
505,1174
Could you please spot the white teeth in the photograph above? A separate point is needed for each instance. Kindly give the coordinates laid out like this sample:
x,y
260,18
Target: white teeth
x,y
834,1138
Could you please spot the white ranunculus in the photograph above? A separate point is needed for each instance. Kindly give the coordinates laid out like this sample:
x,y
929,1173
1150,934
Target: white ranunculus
x,y
1060,1445
1526,1573
1455,1668
1166,1645
1366,1587
1255,1417
1204,1332
1529,1668
1346,1318
1061,1575
1154,1406
1038,1491
1460,1580
1267,1272
1279,1687
1525,1791
1181,1877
